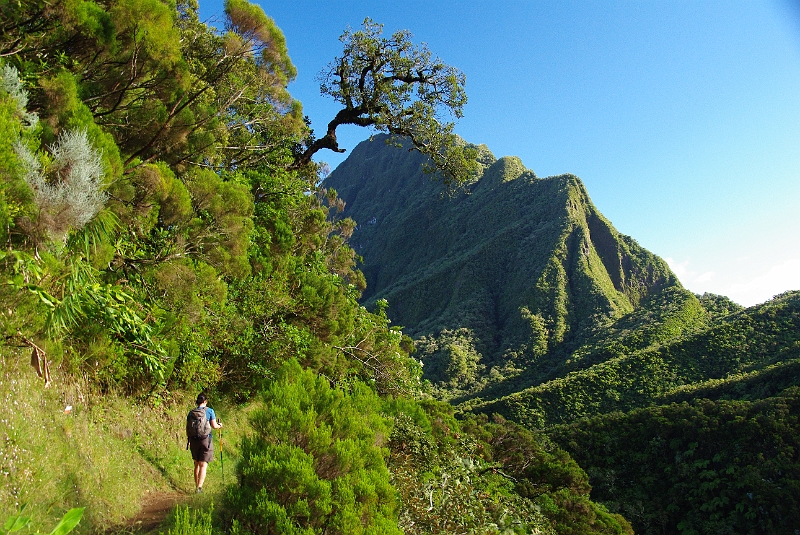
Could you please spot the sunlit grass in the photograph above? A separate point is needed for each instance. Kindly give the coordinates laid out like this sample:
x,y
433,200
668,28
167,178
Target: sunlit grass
x,y
188,521
107,453
53,459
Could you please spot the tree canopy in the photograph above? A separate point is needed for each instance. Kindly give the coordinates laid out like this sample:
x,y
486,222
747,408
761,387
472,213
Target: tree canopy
x,y
396,87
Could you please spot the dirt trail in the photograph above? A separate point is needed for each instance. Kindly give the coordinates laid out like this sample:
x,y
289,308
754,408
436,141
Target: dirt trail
x,y
154,511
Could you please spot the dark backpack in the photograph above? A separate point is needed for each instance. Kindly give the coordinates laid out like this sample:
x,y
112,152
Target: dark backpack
x,y
197,424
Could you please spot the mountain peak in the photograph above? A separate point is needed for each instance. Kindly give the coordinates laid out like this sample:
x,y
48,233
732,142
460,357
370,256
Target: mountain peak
x,y
505,169
521,266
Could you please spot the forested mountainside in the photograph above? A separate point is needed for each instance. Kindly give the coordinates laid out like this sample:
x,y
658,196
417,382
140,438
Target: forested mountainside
x,y
525,302
741,352
164,233
714,445
498,282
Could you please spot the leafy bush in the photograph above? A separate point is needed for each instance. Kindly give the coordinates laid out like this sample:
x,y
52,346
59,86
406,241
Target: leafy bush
x,y
315,462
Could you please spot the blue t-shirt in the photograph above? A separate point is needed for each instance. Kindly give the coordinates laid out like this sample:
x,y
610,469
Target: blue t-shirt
x,y
211,416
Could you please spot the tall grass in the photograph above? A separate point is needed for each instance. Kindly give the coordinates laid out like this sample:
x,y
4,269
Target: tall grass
x,y
186,521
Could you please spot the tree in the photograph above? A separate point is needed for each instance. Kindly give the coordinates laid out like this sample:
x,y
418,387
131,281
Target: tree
x,y
396,87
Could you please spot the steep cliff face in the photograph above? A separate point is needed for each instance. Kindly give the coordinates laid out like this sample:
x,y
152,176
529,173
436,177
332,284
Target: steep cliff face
x,y
518,267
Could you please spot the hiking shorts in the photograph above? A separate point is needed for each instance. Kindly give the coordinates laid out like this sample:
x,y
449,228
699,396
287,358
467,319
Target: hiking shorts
x,y
202,449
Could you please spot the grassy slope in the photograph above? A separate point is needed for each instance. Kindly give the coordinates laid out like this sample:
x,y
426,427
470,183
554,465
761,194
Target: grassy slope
x,y
117,458
107,454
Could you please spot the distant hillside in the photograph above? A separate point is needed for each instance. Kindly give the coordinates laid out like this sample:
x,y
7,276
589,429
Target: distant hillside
x,y
750,354
499,282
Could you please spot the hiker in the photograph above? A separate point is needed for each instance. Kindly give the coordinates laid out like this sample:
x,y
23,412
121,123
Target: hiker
x,y
199,423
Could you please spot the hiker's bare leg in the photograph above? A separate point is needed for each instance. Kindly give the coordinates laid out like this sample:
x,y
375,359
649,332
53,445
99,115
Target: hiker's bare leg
x,y
199,473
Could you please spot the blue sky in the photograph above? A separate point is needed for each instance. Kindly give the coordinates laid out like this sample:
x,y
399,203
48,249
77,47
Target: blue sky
x,y
681,117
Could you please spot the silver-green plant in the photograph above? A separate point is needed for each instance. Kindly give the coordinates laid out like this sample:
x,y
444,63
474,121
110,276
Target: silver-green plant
x,y
68,190
11,84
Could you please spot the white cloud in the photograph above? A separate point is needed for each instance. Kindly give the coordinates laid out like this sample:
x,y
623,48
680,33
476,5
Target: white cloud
x,y
746,290
679,268
690,278
778,279
705,277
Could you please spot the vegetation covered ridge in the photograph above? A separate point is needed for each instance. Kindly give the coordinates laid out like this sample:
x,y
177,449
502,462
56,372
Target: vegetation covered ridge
x,y
703,466
496,282
747,354
679,406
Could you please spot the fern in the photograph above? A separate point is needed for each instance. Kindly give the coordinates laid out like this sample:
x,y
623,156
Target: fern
x,y
99,230
77,298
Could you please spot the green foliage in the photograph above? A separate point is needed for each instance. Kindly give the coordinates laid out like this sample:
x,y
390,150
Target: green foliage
x,y
80,308
187,521
249,21
539,332
221,233
315,462
473,476
66,524
17,128
700,467
202,253
451,361
66,111
718,305
612,373
18,95
399,88
551,478
190,149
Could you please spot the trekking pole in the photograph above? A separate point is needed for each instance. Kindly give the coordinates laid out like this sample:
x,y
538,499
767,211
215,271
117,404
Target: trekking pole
x,y
221,458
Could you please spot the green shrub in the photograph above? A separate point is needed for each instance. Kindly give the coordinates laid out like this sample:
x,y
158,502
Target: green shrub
x,y
315,462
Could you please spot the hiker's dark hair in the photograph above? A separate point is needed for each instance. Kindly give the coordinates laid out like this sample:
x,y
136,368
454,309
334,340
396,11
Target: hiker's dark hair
x,y
201,398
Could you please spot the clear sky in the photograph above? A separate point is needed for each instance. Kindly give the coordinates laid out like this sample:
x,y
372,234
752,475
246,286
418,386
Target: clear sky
x,y
681,117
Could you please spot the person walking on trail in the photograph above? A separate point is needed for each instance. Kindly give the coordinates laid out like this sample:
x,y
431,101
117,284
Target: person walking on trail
x,y
199,423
